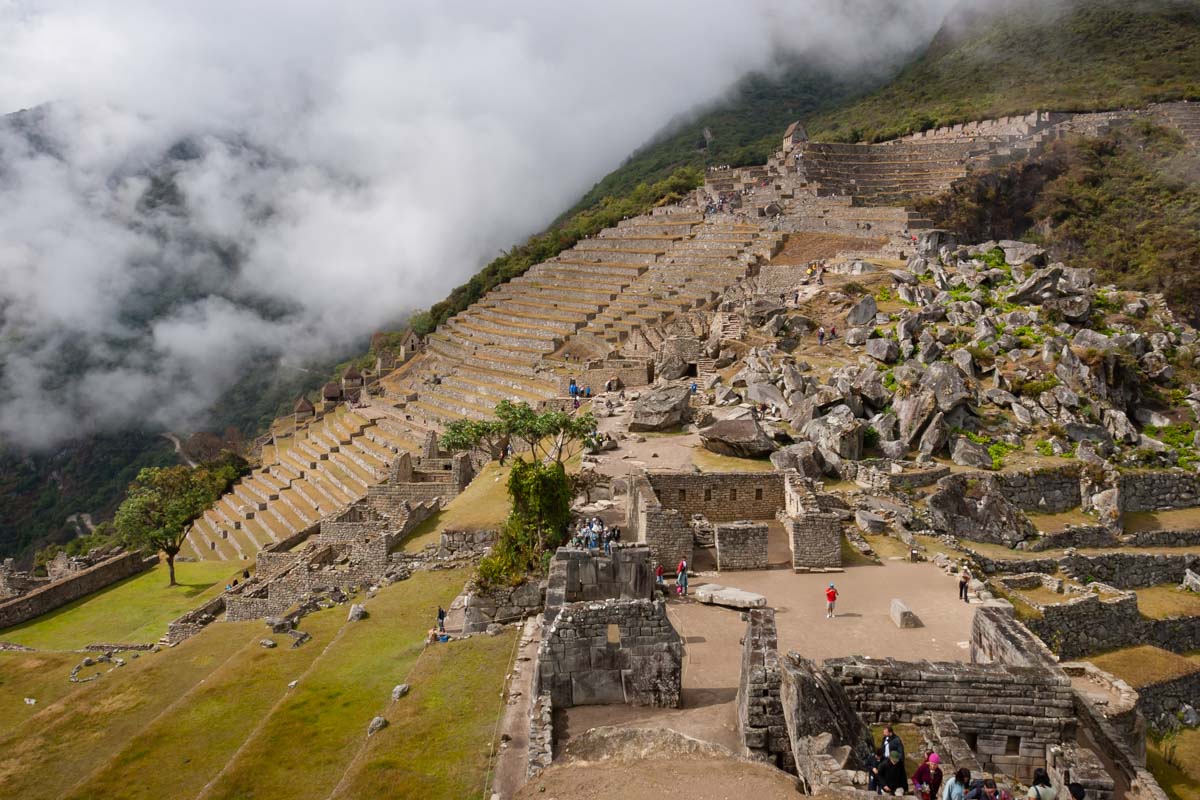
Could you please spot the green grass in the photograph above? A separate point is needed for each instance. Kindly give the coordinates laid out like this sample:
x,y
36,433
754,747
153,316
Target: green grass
x,y
1069,56
437,743
483,505
1166,602
1145,665
42,676
851,557
709,461
66,740
1179,783
179,753
136,610
347,686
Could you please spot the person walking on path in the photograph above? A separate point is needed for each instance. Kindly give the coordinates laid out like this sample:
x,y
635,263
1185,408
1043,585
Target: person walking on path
x,y
821,336
964,582
831,596
892,777
956,789
927,779
681,578
441,619
658,578
891,742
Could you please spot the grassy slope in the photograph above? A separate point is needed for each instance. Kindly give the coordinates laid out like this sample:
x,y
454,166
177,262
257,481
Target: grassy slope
x,y
133,611
216,711
1070,56
482,506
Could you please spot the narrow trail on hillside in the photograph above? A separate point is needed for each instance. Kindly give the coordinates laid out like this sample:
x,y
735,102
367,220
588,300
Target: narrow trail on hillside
x,y
173,439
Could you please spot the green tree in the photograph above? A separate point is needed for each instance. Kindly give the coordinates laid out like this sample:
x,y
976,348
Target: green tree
x,y
488,435
162,502
546,436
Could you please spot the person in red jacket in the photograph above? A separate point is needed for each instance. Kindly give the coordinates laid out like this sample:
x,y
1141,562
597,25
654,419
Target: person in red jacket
x,y
831,595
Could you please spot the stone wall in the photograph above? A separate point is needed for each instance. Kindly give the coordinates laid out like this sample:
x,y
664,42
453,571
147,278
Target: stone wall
x,y
997,637
1157,700
616,651
194,621
501,605
886,475
1130,570
58,593
1008,714
721,497
1181,538
665,531
1048,490
579,575
815,540
541,735
1121,711
741,545
1150,491
1075,536
457,543
759,708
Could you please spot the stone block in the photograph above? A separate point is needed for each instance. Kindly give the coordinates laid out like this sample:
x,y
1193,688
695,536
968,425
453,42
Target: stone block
x,y
902,616
714,594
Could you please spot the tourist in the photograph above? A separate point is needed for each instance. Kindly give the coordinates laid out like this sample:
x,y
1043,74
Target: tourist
x,y
681,578
821,335
956,789
1041,789
658,577
987,791
927,779
575,403
1076,791
964,582
693,387
872,769
245,574
892,777
832,332
228,587
891,742
831,595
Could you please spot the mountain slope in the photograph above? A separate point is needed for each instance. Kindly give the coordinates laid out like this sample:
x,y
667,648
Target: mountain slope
x,y
1074,55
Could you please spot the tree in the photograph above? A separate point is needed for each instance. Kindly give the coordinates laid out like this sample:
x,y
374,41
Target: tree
x,y
468,434
162,502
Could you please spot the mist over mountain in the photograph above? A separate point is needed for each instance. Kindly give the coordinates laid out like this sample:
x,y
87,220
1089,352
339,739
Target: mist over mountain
x,y
198,186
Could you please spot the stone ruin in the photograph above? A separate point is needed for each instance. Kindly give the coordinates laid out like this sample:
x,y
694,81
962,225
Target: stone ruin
x,y
1009,712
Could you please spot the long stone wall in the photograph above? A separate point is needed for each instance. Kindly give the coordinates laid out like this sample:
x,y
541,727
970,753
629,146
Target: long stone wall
x,y
1130,570
1048,490
58,593
1166,699
721,497
1150,491
617,651
759,707
1009,714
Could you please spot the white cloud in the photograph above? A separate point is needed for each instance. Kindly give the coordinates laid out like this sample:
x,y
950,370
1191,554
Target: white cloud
x,y
360,159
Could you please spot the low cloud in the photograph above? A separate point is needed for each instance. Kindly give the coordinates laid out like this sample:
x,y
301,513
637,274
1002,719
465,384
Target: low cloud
x,y
331,168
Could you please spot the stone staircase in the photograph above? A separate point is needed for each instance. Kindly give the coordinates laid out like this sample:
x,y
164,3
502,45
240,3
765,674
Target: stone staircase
x,y
1184,117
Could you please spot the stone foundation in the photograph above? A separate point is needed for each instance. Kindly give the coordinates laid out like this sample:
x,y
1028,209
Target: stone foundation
x,y
583,575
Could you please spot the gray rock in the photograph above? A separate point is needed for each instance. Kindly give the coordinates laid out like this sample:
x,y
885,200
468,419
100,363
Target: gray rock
x,y
670,366
1017,253
969,454
267,643
948,385
972,506
963,359
802,457
660,410
857,337
767,393
999,397
902,617
863,312
870,522
1074,308
1079,432
936,436
1191,581
1117,424
913,412
1090,339
1042,285
1145,416
893,449
883,350
712,594
357,612
838,435
740,438
377,724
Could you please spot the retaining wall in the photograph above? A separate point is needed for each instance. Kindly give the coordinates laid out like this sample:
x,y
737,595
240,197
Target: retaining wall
x,y
58,593
721,497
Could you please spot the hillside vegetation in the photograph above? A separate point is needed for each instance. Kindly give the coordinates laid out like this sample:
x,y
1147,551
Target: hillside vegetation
x,y
1063,55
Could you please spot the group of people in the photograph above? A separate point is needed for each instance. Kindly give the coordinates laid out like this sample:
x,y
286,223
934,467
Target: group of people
x,y
595,534
681,578
822,336
887,774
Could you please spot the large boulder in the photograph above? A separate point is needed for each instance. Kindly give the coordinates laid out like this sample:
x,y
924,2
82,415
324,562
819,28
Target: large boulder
x,y
660,410
970,454
838,435
972,506
1042,285
826,733
670,366
936,436
948,385
913,411
741,438
863,313
883,350
767,393
802,457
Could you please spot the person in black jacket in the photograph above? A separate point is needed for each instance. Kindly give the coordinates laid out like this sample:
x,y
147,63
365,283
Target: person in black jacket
x,y
892,777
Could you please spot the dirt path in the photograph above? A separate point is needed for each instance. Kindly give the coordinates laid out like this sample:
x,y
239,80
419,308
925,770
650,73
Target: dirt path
x,y
514,722
696,778
173,439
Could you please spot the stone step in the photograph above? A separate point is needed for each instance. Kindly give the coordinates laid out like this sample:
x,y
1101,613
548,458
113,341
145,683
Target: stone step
x,y
630,256
553,321
490,336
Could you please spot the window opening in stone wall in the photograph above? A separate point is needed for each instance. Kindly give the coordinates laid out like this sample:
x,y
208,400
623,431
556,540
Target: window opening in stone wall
x,y
682,495
707,495
1012,747
733,495
614,633
758,494
972,740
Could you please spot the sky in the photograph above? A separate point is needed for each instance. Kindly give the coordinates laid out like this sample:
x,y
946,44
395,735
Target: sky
x,y
345,163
